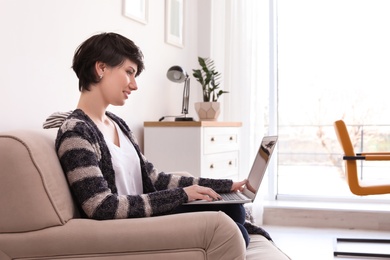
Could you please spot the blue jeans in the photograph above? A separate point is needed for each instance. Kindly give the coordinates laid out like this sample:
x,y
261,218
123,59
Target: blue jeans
x,y
235,211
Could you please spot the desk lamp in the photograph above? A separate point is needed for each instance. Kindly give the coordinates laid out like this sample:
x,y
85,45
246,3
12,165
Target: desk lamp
x,y
178,74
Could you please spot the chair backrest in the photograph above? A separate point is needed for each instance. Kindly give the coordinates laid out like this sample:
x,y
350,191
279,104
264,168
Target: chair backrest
x,y
350,165
34,191
357,186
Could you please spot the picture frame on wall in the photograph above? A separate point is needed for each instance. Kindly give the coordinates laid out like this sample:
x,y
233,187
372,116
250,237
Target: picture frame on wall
x,y
136,10
174,22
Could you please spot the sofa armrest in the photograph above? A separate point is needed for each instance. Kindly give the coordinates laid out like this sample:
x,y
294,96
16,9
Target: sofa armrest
x,y
208,235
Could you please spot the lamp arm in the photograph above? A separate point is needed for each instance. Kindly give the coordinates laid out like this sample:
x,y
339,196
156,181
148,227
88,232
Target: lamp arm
x,y
186,96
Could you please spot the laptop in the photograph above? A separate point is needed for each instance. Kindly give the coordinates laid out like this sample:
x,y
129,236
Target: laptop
x,y
255,176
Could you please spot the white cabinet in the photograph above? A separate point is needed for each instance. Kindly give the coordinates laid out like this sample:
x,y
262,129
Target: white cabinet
x,y
207,149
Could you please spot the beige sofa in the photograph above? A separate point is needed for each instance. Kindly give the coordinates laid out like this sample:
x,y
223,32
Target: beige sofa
x,y
39,220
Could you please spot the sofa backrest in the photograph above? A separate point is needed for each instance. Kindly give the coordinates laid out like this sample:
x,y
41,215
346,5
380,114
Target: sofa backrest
x,y
34,191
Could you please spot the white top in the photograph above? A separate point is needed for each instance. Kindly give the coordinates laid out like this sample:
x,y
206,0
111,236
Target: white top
x,y
126,165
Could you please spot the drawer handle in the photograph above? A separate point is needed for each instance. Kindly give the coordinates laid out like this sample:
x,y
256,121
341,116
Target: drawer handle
x,y
230,163
231,138
211,166
212,139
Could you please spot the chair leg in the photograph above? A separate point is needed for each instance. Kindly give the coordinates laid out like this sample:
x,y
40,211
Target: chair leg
x,y
361,240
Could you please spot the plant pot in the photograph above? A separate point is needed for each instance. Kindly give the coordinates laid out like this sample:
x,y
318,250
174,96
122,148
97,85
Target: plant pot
x,y
208,111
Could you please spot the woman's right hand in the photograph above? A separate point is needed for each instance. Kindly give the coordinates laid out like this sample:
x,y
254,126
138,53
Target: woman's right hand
x,y
196,192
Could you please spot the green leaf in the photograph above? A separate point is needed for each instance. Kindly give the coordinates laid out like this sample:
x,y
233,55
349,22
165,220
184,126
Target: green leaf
x,y
209,79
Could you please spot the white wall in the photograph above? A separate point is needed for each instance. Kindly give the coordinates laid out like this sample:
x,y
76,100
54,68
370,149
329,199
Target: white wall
x,y
39,37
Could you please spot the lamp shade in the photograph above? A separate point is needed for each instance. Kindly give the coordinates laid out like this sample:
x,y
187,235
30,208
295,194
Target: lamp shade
x,y
177,74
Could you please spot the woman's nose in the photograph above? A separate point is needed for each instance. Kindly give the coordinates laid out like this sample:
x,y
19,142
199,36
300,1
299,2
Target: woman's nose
x,y
133,84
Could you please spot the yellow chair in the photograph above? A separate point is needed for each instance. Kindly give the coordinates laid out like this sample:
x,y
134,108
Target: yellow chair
x,y
358,186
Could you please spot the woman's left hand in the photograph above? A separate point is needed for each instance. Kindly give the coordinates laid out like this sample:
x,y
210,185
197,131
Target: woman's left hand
x,y
239,186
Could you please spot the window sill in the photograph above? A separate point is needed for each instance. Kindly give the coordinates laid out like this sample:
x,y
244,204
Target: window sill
x,y
335,206
347,215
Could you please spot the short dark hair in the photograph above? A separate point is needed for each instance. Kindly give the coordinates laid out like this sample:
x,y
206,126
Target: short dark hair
x,y
110,48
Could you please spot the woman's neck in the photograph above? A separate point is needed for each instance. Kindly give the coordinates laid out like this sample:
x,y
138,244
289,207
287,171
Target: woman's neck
x,y
92,106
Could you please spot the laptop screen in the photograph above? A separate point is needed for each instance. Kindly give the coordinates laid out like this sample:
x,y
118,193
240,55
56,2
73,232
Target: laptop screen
x,y
259,166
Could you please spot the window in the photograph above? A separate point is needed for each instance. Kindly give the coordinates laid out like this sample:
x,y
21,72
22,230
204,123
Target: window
x,y
333,63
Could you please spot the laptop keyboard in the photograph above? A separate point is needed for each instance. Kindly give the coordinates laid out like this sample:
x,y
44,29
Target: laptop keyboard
x,y
230,196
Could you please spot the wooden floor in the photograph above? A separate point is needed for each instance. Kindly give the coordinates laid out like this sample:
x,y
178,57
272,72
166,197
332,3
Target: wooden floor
x,y
302,243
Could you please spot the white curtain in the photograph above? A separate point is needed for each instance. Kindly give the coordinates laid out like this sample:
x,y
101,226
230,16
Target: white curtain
x,y
245,51
246,71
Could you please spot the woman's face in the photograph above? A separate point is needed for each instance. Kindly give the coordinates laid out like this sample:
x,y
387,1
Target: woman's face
x,y
118,82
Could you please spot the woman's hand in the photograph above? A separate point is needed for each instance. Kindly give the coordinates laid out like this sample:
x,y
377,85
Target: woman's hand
x,y
196,192
239,186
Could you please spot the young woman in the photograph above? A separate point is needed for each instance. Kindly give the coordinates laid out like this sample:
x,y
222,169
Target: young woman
x,y
107,173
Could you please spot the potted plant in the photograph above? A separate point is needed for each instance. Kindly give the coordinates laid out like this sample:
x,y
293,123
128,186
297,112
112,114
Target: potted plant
x,y
209,79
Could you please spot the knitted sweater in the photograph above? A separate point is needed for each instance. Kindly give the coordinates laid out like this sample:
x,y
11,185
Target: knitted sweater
x,y
86,161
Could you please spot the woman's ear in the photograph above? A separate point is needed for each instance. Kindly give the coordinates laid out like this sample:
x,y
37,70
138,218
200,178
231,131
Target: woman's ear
x,y
99,68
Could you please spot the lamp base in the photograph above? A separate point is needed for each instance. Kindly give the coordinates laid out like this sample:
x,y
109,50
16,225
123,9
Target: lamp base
x,y
184,119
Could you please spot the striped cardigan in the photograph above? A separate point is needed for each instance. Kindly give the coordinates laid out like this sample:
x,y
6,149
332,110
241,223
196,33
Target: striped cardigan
x,y
86,161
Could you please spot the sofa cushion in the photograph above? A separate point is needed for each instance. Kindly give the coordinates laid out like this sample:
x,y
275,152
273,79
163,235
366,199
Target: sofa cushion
x,y
262,248
34,191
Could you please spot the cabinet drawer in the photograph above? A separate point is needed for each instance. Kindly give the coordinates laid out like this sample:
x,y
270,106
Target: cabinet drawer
x,y
217,139
221,165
